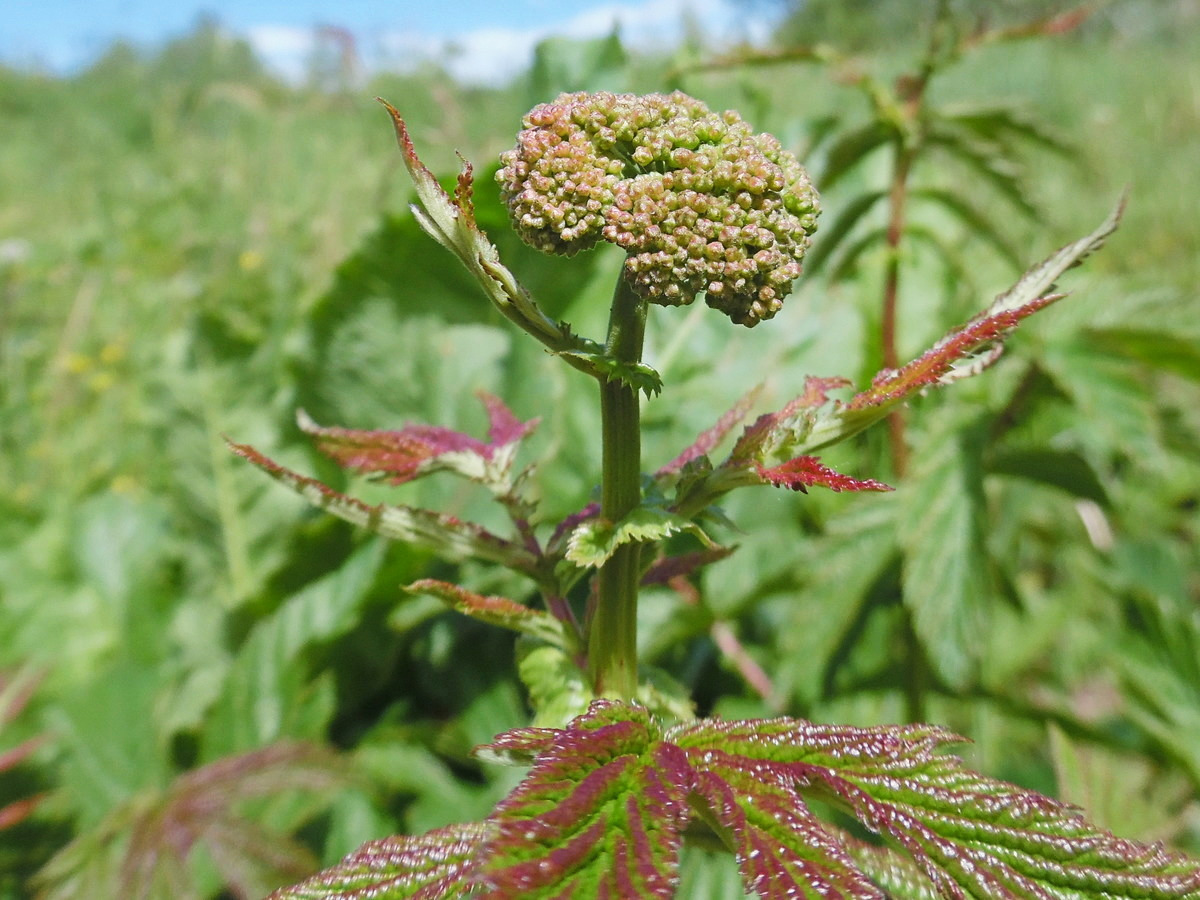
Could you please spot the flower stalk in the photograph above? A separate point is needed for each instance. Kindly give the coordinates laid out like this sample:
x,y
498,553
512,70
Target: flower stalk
x,y
612,625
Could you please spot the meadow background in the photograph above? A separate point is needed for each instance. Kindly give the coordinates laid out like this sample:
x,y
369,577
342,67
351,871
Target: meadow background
x,y
227,689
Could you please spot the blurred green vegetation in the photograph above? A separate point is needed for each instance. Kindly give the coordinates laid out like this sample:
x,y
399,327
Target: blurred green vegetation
x,y
190,248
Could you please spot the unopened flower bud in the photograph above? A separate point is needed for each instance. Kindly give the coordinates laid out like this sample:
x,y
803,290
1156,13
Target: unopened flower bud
x,y
695,198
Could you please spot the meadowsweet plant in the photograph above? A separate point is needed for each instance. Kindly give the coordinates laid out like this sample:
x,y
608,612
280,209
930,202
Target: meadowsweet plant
x,y
620,774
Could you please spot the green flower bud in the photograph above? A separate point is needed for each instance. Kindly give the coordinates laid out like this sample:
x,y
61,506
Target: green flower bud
x,y
695,198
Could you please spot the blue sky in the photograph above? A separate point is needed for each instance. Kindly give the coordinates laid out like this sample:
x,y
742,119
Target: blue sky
x,y
492,37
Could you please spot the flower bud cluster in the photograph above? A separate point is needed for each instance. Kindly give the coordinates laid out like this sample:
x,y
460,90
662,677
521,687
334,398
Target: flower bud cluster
x,y
695,198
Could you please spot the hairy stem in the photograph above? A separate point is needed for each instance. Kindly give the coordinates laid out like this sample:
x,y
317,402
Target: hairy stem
x,y
612,629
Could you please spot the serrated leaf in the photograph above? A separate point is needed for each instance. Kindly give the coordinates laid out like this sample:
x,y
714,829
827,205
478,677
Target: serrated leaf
x,y
592,542
972,836
445,534
805,471
437,865
997,121
451,222
591,817
499,611
945,573
417,450
709,439
636,375
156,832
604,810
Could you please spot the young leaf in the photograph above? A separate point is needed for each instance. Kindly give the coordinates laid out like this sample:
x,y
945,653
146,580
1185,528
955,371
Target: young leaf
x,y
962,353
417,450
707,440
497,611
803,471
594,541
445,534
451,222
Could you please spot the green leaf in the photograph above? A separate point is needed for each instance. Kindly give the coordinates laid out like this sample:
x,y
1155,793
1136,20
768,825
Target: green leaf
x,y
638,376
975,222
850,149
1062,469
1175,353
831,236
843,565
945,573
1000,122
268,691
558,688
986,158
592,542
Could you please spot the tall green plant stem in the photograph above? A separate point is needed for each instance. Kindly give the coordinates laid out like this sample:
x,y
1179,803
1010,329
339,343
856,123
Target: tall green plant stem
x,y
612,629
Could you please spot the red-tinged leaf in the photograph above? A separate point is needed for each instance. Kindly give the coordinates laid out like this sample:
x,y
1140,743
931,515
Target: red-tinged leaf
x,y
496,611
664,570
603,811
446,534
464,191
972,836
803,471
521,745
19,810
417,450
503,427
451,222
937,364
600,814
14,756
567,526
764,435
438,865
704,444
782,850
1060,23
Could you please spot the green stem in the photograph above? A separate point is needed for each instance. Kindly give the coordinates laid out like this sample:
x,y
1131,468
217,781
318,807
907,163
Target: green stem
x,y
612,630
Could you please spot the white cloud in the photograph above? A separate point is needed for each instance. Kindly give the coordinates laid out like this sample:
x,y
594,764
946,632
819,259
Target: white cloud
x,y
286,49
493,55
